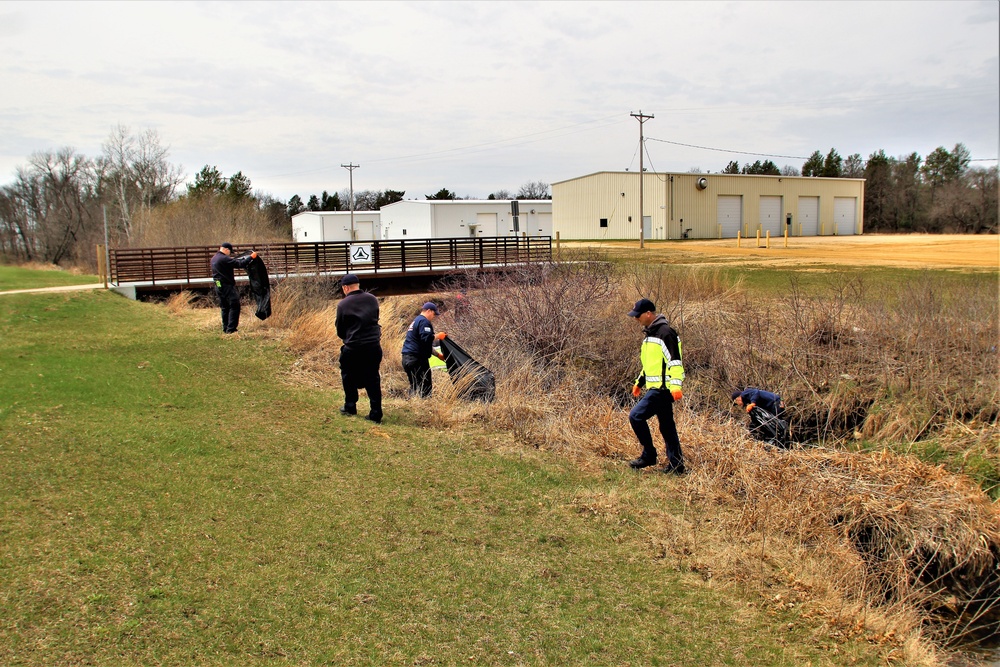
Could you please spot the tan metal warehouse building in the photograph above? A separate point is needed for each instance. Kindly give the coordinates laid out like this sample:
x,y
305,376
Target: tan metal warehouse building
x,y
605,205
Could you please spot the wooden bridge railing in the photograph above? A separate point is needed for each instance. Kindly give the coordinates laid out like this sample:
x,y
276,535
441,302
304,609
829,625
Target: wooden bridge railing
x,y
192,264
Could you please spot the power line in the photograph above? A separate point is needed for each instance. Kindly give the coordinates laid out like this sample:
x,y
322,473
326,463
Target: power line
x,y
725,150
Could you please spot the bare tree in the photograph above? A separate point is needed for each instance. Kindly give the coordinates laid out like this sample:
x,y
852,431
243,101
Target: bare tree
x,y
50,206
534,190
138,174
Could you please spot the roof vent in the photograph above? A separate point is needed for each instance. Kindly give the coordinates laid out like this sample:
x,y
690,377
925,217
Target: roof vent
x,y
701,183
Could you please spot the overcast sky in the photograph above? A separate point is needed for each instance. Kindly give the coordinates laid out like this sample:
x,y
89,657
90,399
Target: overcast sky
x,y
481,96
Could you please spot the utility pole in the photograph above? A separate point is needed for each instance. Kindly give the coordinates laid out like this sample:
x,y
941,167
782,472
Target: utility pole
x,y
642,176
351,167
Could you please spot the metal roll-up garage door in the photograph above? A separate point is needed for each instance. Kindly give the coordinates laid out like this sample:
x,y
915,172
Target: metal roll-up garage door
x,y
730,215
770,215
809,216
844,217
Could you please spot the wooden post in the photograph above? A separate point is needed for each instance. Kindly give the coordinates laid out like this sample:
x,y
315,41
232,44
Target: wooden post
x,y
558,249
786,236
102,265
738,232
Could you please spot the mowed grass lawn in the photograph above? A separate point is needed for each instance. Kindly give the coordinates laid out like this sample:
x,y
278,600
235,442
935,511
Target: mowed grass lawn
x,y
168,497
18,278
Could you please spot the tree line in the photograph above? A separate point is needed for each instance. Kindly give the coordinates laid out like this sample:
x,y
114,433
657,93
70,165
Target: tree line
x,y
939,193
61,204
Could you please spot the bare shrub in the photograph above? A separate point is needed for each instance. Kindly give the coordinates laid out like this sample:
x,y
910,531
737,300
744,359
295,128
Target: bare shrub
x,y
203,221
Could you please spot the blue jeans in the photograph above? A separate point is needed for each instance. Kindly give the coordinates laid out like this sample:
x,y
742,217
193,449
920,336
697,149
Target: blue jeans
x,y
660,403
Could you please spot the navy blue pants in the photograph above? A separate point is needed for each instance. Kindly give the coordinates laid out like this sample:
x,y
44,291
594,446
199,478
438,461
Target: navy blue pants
x,y
660,403
418,372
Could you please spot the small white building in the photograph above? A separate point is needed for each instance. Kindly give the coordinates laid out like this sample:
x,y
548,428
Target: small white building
x,y
464,218
319,226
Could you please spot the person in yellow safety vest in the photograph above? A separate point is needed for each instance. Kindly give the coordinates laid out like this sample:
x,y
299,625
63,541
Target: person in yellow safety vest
x,y
662,375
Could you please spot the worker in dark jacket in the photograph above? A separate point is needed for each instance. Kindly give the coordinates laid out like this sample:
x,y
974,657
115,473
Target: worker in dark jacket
x,y
770,427
223,264
662,376
361,354
418,346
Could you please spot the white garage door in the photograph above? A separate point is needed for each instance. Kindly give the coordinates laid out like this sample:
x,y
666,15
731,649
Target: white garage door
x,y
844,215
486,224
809,216
770,216
730,215
364,230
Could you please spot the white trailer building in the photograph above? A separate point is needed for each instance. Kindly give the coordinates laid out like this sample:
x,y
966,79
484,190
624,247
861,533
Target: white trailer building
x,y
464,218
319,226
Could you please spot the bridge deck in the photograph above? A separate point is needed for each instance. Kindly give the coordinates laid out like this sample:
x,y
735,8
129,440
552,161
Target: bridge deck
x,y
178,268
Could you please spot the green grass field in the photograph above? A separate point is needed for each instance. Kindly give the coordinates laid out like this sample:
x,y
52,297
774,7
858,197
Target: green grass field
x,y
18,278
169,497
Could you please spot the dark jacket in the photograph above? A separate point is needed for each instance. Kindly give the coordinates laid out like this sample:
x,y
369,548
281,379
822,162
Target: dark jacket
x,y
763,399
357,321
419,339
223,265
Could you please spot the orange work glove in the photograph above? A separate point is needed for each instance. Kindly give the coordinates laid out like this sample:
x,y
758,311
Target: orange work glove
x,y
751,407
676,393
440,336
636,391
253,255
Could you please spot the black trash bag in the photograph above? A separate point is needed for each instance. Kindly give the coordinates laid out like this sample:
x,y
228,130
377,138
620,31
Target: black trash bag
x,y
260,286
769,428
482,385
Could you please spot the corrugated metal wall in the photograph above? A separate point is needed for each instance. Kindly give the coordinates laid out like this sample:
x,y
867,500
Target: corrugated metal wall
x,y
676,204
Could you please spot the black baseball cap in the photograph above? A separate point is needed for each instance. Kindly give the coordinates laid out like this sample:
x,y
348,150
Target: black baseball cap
x,y
642,306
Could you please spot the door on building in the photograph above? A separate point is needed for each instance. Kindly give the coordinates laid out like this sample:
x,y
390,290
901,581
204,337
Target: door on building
x,y
809,216
647,227
364,230
487,224
729,215
770,216
844,215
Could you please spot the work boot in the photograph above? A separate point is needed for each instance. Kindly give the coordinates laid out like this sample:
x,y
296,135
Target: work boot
x,y
674,469
375,417
639,463
349,409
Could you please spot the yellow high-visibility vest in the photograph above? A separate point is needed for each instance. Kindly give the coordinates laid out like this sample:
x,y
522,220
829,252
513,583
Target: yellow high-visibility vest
x,y
658,368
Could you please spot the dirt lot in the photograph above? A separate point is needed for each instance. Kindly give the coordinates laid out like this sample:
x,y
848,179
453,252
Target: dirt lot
x,y
952,251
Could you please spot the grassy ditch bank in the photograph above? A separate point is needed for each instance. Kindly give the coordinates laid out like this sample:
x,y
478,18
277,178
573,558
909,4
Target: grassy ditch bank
x,y
872,539
30,277
172,496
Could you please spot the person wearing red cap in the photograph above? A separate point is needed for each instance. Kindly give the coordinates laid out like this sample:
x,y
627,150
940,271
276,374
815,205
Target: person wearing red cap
x,y
662,376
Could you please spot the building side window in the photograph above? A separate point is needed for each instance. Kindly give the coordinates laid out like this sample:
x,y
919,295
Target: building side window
x,y
604,222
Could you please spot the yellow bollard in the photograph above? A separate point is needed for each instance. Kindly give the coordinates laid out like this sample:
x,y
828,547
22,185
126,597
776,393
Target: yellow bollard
x,y
738,232
758,238
786,237
767,241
